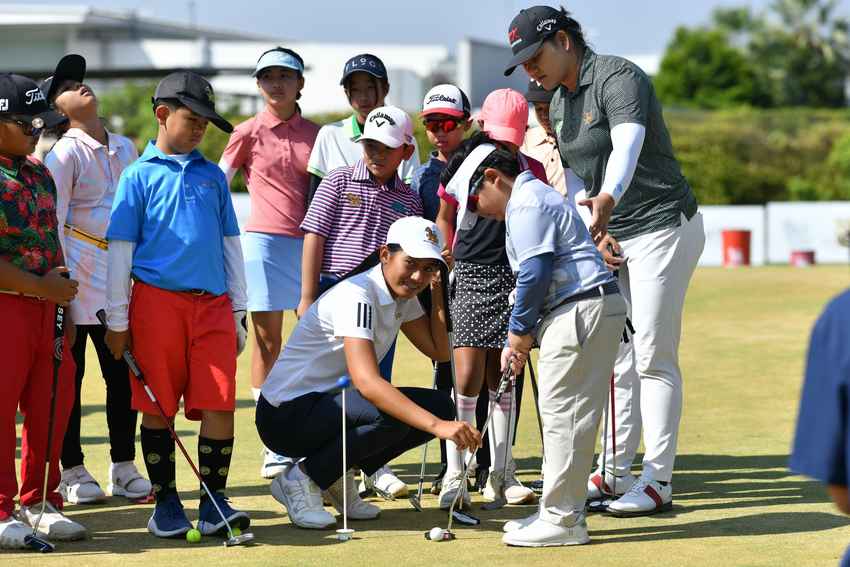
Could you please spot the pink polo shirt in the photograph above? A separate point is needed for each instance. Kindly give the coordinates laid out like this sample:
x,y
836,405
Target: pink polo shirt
x,y
273,155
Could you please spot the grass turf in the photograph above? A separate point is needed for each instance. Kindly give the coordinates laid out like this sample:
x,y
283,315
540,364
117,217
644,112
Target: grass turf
x,y
742,353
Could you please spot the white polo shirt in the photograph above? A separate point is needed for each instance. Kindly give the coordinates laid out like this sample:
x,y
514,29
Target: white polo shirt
x,y
313,358
337,145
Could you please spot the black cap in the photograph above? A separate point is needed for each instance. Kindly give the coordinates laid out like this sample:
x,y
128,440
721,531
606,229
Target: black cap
x,y
536,93
21,97
365,62
70,67
195,93
529,29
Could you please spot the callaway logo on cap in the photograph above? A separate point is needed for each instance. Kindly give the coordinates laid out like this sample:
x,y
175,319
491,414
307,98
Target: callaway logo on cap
x,y
446,99
529,29
381,118
389,125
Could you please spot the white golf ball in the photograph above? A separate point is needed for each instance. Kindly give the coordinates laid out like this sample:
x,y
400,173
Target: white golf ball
x,y
436,534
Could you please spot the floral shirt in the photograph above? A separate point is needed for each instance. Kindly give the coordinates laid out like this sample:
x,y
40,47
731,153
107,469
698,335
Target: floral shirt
x,y
29,238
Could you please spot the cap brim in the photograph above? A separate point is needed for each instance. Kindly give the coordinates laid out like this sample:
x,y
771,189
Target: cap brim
x,y
448,111
207,113
523,56
422,251
70,67
387,141
374,74
52,119
259,70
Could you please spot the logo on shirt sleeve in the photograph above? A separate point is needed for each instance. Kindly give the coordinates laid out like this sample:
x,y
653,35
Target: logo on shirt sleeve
x,y
364,316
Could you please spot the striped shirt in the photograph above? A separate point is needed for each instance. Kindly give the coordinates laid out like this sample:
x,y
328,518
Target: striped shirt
x,y
354,214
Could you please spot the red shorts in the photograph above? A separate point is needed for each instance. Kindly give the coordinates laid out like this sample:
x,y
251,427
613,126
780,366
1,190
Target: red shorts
x,y
185,345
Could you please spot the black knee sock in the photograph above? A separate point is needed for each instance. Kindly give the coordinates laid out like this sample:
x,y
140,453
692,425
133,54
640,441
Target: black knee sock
x,y
214,462
158,450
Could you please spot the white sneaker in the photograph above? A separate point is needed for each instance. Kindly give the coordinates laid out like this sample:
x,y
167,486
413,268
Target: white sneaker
x,y
126,480
78,486
515,491
596,489
495,487
357,508
303,501
385,480
13,533
645,497
274,464
541,533
514,525
54,523
451,485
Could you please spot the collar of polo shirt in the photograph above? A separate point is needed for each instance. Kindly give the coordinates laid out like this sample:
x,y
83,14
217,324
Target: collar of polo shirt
x,y
376,274
353,128
588,61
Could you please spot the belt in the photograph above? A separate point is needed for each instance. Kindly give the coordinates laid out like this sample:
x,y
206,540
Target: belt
x,y
609,288
189,291
86,237
21,294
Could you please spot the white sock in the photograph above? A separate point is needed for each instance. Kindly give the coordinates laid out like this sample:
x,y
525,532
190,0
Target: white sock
x,y
465,412
499,448
256,393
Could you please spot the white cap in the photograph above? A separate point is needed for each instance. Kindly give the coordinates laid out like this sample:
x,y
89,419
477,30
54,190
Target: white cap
x,y
418,237
389,125
445,99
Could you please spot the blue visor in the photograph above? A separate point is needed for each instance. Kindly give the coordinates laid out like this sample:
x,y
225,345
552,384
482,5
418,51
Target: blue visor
x,y
278,59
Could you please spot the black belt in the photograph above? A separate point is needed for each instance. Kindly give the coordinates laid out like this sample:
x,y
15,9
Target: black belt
x,y
609,288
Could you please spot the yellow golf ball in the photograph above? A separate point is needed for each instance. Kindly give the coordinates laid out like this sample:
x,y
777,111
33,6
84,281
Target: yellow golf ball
x,y
236,531
193,536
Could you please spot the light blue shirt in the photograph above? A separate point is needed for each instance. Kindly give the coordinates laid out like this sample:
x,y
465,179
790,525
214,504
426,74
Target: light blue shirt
x,y
178,214
538,220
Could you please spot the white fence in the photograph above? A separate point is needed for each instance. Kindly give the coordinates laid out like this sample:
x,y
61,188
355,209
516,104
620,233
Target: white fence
x,y
775,230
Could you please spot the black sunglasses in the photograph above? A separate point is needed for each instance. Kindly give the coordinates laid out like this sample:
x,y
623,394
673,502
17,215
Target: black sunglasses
x,y
29,126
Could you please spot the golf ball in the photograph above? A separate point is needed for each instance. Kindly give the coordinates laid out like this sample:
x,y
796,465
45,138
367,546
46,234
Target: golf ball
x,y
193,536
236,531
436,534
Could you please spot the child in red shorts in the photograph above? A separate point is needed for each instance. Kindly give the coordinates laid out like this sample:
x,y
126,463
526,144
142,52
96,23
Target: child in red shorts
x,y
173,230
31,285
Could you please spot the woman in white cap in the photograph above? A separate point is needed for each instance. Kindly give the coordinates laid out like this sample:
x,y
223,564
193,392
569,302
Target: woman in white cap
x,y
345,332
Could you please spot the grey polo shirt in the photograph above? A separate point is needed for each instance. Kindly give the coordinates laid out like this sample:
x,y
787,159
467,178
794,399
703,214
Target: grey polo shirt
x,y
611,91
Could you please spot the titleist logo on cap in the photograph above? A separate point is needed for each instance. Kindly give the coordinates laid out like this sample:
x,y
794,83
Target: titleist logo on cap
x,y
33,95
441,98
546,24
379,118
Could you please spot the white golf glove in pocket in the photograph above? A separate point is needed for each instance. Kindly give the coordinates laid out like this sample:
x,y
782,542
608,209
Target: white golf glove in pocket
x,y
240,318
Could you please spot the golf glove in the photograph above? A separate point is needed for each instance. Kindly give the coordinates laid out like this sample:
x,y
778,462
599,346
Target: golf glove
x,y
240,318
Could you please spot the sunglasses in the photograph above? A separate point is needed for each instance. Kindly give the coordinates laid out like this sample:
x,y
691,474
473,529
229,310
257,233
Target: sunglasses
x,y
445,125
472,197
30,127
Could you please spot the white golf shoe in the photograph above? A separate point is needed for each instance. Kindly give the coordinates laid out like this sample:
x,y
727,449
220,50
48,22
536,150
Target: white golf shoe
x,y
596,489
56,525
303,501
274,464
515,491
126,480
451,485
78,486
386,482
514,525
645,497
541,533
357,508
13,533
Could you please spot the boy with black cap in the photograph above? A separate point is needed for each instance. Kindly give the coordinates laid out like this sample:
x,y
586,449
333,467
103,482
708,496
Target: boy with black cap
x,y
366,85
86,164
31,285
173,229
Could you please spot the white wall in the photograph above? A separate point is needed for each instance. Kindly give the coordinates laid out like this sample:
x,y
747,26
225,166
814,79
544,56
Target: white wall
x,y
807,226
720,218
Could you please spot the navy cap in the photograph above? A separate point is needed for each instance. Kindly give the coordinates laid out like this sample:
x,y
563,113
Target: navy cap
x,y
365,62
529,29
194,92
20,97
71,67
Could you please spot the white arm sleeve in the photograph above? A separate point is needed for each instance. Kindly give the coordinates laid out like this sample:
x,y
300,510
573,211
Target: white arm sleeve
x,y
234,269
627,140
229,171
118,284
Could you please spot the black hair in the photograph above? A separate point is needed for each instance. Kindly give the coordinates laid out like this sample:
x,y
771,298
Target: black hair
x,y
172,103
370,262
573,29
288,52
502,159
383,82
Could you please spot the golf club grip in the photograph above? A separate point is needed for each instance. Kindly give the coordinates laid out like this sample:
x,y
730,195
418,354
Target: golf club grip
x,y
127,355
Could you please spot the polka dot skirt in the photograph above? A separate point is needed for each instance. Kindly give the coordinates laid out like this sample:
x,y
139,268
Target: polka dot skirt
x,y
480,308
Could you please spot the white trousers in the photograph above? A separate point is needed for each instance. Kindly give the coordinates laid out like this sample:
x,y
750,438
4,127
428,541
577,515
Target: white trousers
x,y
578,343
647,377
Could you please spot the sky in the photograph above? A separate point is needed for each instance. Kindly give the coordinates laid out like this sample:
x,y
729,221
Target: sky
x,y
622,27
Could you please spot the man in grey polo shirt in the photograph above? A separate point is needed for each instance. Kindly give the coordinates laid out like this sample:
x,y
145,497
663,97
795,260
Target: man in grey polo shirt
x,y
612,136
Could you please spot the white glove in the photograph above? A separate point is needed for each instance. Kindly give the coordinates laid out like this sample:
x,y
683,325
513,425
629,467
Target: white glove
x,y
240,318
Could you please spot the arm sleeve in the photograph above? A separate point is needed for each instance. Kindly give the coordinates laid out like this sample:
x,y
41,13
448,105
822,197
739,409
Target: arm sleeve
x,y
63,169
535,275
354,314
235,154
627,141
128,208
229,223
234,269
120,265
322,211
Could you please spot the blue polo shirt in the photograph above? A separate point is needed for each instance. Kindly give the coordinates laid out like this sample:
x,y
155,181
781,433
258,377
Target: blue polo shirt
x,y
425,182
178,213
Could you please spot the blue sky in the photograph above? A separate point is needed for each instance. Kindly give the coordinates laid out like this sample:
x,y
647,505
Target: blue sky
x,y
614,26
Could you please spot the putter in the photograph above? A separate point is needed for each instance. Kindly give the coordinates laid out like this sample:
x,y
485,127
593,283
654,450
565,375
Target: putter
x,y
607,496
537,485
344,534
34,541
416,500
232,539
613,443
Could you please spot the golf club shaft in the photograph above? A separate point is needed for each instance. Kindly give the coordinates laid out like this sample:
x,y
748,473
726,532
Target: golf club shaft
x,y
344,468
425,447
613,439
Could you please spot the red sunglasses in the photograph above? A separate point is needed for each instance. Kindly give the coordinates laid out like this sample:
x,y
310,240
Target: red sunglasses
x,y
472,197
446,125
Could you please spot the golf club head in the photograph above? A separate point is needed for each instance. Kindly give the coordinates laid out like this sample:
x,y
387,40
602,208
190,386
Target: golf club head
x,y
496,504
414,501
240,539
447,536
38,544
464,518
536,486
599,505
383,493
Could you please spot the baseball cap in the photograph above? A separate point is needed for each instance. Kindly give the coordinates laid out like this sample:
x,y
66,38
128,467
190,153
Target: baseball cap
x,y
418,237
529,29
505,116
21,97
389,125
279,57
536,93
445,99
458,186
365,62
70,67
194,92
